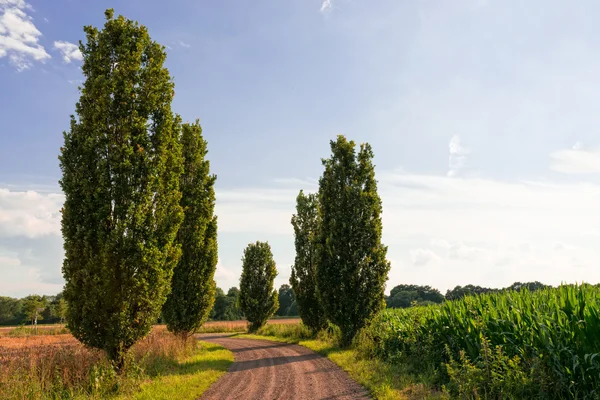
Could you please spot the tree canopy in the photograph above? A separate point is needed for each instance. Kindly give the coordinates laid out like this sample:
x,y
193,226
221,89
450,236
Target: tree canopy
x,y
121,163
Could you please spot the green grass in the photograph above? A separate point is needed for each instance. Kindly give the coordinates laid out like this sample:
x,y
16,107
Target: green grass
x,y
383,380
186,379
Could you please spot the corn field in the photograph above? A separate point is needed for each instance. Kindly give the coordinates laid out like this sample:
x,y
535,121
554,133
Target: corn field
x,y
542,344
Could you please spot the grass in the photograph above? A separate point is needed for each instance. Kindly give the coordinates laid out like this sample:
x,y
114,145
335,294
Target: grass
x,y
383,380
22,330
186,379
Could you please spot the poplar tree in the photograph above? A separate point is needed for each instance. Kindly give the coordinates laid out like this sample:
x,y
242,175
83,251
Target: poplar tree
x,y
121,162
193,287
352,268
258,299
304,270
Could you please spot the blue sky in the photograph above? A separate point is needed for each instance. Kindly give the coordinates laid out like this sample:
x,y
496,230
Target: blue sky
x,y
482,116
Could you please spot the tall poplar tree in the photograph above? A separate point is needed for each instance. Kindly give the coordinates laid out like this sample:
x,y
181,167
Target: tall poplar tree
x,y
352,267
193,287
258,299
121,162
304,270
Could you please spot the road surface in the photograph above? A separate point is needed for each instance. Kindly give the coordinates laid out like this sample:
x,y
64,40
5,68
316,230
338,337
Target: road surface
x,y
270,370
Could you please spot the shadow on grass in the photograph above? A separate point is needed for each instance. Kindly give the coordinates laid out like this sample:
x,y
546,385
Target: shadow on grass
x,y
163,366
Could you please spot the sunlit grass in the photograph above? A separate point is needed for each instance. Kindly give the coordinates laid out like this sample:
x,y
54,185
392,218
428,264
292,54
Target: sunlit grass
x,y
186,379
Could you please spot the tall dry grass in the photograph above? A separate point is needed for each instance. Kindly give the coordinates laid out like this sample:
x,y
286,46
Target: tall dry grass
x,y
42,370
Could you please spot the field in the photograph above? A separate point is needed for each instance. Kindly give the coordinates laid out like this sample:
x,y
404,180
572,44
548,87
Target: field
x,y
58,366
512,344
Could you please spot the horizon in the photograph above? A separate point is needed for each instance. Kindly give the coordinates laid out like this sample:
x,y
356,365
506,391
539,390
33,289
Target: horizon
x,y
481,122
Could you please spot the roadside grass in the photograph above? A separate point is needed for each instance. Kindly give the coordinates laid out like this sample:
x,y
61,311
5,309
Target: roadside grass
x,y
384,380
186,379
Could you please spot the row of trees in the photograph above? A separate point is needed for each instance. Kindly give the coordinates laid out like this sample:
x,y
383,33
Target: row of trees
x,y
52,309
140,234
403,296
30,309
340,268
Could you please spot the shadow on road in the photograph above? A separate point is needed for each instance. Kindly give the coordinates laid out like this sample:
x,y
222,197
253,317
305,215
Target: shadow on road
x,y
270,362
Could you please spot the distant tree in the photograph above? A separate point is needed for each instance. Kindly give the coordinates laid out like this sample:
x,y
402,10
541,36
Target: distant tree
x,y
286,299
258,300
226,307
121,162
403,296
10,310
469,290
33,306
352,267
531,286
233,292
304,270
293,310
192,286
60,310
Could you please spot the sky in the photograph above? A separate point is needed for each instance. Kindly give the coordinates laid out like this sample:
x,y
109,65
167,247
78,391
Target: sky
x,y
482,115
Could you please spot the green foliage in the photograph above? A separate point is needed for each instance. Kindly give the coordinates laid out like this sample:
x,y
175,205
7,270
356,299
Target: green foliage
x,y
60,310
493,375
121,162
192,286
403,296
510,344
352,267
287,301
33,306
258,300
10,311
469,290
226,306
304,271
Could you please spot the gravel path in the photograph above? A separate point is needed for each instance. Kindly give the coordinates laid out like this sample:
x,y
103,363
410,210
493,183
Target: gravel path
x,y
270,370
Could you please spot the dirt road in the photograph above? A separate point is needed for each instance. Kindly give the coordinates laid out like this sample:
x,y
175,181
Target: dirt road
x,y
269,370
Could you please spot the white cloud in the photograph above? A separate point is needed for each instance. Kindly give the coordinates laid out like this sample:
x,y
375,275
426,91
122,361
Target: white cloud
x,y
19,36
30,214
326,6
183,44
439,231
489,232
576,160
6,261
458,155
223,273
421,257
69,51
460,251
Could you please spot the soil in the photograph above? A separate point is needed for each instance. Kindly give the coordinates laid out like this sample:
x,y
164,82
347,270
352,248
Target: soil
x,y
271,370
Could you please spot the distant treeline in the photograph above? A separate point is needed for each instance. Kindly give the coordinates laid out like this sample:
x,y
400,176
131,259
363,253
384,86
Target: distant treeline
x,y
226,305
51,309
403,296
47,309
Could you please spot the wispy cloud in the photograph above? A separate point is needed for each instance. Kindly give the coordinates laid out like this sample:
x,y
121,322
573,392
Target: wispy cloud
x,y
69,51
421,257
326,6
576,160
458,155
19,37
